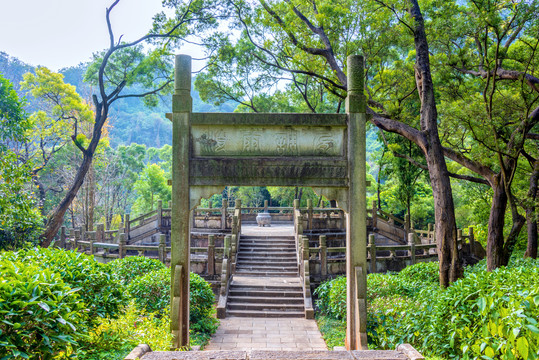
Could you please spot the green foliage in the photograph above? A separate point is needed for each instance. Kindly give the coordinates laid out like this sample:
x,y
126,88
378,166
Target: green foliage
x,y
333,331
489,315
20,219
151,291
102,295
151,186
115,338
129,268
40,314
332,298
13,120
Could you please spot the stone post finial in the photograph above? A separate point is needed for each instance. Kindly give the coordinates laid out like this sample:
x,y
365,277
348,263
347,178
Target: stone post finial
x,y
181,100
355,101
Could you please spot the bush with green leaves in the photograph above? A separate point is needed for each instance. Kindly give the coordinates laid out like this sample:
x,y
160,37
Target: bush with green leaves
x,y
331,298
40,314
126,269
102,295
151,293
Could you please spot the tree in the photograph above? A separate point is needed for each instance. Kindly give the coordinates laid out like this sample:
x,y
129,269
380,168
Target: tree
x,y
151,186
313,38
20,222
142,63
62,116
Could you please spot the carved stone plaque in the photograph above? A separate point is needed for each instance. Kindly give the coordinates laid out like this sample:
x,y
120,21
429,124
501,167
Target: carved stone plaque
x,y
267,141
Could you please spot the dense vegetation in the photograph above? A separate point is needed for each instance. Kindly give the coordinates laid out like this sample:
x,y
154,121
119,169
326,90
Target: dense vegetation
x,y
489,315
57,302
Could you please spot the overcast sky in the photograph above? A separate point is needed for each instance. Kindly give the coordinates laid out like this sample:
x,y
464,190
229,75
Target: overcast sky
x,y
62,33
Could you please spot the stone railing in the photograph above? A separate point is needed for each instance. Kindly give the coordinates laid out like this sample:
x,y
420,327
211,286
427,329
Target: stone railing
x,y
230,253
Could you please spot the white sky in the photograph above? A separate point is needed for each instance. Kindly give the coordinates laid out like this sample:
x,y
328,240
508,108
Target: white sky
x,y
62,33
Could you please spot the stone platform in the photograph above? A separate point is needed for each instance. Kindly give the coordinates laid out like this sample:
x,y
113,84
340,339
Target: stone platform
x,y
403,352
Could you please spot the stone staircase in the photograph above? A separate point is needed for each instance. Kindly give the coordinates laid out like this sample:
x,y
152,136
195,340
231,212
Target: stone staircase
x,y
266,282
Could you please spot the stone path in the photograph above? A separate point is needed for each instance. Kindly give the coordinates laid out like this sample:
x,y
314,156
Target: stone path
x,y
242,333
265,332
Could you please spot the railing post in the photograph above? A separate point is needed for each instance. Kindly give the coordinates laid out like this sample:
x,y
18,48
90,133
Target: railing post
x,y
121,245
296,204
460,240
266,205
372,250
374,215
430,235
91,239
323,257
472,239
226,247
127,228
159,213
237,205
306,252
63,237
100,233
211,254
162,248
411,243
310,213
76,238
224,209
234,249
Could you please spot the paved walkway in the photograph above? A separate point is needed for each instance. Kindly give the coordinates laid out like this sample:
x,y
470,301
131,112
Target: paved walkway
x,y
240,333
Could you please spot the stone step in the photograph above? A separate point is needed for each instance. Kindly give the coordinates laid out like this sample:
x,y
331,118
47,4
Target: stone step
x,y
267,238
265,293
287,247
245,313
286,263
266,267
264,307
265,300
266,253
267,273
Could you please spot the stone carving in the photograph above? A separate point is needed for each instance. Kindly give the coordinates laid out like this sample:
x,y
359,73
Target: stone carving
x,y
287,142
212,142
251,141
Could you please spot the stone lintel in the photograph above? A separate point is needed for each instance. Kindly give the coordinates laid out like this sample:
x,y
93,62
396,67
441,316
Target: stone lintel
x,y
269,171
271,119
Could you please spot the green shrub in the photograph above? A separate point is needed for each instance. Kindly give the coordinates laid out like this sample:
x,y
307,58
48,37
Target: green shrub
x,y
102,295
40,315
126,269
115,338
423,272
332,298
151,293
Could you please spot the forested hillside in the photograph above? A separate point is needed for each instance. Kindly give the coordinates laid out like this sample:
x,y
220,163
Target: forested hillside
x,y
130,120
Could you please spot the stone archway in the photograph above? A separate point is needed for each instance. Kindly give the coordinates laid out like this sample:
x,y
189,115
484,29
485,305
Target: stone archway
x,y
324,151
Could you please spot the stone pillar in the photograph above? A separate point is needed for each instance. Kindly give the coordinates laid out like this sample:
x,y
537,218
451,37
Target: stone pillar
x,y
411,243
226,247
323,257
237,205
266,204
430,235
310,213
162,248
76,238
460,240
63,237
121,246
91,239
211,254
100,233
127,226
159,213
179,263
224,209
372,250
356,224
407,224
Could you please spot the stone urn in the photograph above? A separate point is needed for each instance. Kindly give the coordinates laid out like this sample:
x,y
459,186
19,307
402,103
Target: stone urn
x,y
263,219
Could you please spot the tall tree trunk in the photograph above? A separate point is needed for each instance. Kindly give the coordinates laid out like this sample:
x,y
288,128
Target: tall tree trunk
x,y
444,210
531,213
91,198
495,238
